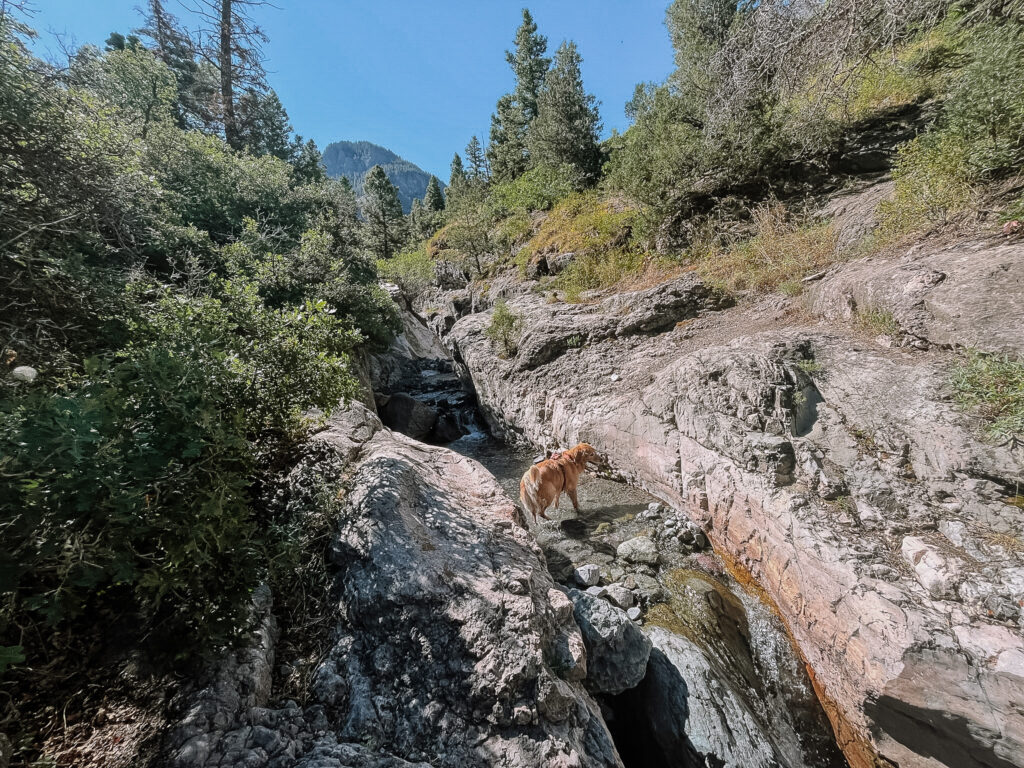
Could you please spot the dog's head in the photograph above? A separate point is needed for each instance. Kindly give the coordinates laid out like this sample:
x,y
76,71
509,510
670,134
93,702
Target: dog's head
x,y
585,453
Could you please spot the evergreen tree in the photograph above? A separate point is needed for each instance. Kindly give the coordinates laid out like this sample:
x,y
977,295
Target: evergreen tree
x,y
263,127
507,150
477,160
511,121
382,210
529,65
433,198
567,125
307,163
197,87
457,180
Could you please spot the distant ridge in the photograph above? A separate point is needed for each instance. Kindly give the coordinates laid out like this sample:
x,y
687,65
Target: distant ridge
x,y
353,159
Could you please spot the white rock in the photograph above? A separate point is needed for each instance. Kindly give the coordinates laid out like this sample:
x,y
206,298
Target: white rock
x,y
641,549
587,575
633,613
936,573
25,373
615,377
620,597
597,591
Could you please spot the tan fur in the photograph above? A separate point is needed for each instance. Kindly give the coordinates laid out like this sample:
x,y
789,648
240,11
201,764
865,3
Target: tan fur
x,y
546,481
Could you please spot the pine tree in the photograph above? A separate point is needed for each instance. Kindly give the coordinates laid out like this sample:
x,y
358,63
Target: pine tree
x,y
457,180
567,125
382,210
477,160
507,150
458,173
433,198
529,65
510,123
263,127
197,89
307,162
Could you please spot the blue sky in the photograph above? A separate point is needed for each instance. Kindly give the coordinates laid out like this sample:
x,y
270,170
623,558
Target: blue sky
x,y
418,76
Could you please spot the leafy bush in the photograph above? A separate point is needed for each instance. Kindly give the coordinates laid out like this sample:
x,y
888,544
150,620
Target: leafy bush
x,y
505,329
783,251
994,387
185,305
412,271
619,268
536,190
134,482
933,182
979,136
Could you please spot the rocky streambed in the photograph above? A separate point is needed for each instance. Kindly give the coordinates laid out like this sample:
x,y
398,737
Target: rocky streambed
x,y
827,464
828,570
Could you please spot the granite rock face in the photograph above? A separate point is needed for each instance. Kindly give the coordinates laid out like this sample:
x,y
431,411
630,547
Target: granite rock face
x,y
808,455
970,295
452,645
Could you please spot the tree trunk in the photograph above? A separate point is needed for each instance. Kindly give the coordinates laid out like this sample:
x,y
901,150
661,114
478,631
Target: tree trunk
x,y
227,86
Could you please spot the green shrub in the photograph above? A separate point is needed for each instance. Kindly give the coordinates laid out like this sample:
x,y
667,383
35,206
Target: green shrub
x,y
505,329
933,182
584,223
536,190
979,136
412,271
133,483
993,386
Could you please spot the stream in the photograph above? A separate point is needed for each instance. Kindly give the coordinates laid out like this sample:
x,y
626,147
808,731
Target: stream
x,y
724,686
709,632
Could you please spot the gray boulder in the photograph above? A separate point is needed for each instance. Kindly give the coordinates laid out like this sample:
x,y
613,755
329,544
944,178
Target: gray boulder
x,y
641,549
405,414
617,651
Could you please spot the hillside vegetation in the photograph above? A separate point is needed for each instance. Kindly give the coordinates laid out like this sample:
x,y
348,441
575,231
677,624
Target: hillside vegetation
x,y
769,104
175,306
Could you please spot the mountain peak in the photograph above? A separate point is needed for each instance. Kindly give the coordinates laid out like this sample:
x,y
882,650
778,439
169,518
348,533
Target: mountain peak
x,y
353,159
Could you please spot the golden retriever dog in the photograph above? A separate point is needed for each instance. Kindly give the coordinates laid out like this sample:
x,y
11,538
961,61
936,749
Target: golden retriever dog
x,y
547,480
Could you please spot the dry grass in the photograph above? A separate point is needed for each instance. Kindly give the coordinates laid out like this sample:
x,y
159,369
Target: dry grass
x,y
781,253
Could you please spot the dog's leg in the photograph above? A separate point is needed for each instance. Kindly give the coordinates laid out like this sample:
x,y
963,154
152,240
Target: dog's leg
x,y
575,501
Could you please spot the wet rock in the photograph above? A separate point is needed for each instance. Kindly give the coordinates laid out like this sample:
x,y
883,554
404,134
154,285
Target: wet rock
x,y
408,415
641,549
617,651
587,575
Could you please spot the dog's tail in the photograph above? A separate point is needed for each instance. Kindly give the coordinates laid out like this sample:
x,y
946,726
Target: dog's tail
x,y
528,493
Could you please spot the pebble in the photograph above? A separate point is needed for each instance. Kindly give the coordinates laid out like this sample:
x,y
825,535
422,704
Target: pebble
x,y
633,614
